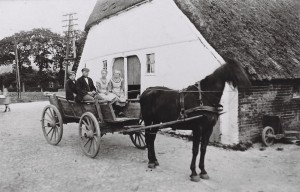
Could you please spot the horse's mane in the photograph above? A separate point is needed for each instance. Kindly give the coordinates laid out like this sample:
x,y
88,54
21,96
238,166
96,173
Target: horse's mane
x,y
233,73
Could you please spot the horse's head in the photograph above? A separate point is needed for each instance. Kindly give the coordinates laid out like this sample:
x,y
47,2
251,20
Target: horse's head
x,y
213,85
233,73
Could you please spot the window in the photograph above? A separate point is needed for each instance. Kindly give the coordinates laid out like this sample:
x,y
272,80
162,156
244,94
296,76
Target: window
x,y
105,64
296,91
151,63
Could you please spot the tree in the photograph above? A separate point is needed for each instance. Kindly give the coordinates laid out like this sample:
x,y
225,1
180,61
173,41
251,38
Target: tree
x,y
39,48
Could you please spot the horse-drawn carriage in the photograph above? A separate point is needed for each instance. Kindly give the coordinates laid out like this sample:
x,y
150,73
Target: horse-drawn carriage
x,y
195,107
95,120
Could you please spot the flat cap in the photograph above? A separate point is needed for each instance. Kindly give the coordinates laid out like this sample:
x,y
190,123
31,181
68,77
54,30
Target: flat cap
x,y
85,69
71,73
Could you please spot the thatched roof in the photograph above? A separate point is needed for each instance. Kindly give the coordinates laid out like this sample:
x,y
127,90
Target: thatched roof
x,y
105,8
264,36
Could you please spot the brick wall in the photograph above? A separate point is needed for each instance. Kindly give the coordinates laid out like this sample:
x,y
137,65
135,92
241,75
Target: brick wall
x,y
266,99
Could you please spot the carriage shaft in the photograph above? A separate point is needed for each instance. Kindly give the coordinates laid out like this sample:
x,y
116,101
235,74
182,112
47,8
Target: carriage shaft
x,y
135,128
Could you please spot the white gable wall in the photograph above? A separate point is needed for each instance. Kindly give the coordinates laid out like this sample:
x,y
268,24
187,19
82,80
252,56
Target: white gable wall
x,y
155,27
182,56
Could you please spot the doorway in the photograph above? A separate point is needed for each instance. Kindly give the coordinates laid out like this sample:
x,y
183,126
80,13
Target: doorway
x,y
133,77
119,65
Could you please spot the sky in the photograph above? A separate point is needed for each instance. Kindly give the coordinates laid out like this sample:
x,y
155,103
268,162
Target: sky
x,y
24,15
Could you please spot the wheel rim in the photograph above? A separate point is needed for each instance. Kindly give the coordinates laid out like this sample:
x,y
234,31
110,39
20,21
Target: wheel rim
x,y
269,133
89,133
52,125
268,136
138,139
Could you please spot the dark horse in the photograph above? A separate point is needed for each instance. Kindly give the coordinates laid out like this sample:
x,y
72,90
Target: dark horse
x,y
161,104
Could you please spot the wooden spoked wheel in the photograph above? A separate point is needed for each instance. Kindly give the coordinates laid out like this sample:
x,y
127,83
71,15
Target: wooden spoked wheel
x,y
89,134
138,139
52,124
268,136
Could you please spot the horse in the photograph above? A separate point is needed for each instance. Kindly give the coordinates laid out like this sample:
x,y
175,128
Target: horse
x,y
162,104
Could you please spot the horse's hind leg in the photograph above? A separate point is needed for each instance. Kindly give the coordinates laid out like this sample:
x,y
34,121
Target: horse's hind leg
x,y
204,142
196,142
150,136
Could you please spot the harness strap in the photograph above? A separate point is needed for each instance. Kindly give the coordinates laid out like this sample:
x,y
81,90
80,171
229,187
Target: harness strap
x,y
200,94
181,100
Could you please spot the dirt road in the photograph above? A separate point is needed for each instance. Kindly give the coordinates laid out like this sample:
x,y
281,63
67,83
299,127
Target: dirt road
x,y
28,163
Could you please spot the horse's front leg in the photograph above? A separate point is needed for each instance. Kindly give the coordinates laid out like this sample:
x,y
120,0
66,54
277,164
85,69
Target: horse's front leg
x,y
196,141
204,142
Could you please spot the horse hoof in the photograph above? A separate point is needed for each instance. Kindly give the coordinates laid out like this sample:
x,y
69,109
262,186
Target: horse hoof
x,y
195,178
151,165
204,176
156,163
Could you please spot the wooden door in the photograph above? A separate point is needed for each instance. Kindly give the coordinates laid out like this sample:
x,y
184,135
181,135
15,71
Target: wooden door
x,y
133,76
133,70
119,65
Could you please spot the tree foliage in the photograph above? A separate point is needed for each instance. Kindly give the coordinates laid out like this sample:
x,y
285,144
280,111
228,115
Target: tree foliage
x,y
41,54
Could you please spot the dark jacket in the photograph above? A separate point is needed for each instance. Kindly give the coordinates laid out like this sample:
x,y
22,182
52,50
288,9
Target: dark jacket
x,y
83,88
70,89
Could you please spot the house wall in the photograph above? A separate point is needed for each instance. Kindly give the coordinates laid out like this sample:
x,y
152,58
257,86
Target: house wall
x,y
266,99
229,120
154,27
182,56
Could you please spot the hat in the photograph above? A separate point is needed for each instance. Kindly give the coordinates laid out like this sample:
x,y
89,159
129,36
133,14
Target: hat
x,y
71,73
85,69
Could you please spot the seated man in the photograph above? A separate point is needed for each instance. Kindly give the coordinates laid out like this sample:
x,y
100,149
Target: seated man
x,y
116,86
86,90
71,91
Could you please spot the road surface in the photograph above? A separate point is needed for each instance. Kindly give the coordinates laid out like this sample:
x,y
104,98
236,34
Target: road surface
x,y
28,163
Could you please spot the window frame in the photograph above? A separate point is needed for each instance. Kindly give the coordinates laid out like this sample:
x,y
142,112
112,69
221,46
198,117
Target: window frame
x,y
104,64
152,66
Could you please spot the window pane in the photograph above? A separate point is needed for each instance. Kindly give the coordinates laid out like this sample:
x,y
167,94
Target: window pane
x,y
152,68
105,64
150,63
148,68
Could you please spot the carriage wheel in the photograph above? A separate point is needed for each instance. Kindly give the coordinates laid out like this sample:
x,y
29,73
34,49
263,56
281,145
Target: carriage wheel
x,y
268,136
138,139
52,124
89,134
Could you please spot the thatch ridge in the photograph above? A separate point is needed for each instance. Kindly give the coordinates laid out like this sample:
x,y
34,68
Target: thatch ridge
x,y
106,8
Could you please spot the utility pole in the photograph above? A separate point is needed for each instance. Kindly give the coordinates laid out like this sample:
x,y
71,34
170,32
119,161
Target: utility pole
x,y
70,35
17,71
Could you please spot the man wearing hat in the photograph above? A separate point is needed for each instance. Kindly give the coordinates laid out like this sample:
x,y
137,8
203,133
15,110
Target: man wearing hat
x,y
71,91
85,87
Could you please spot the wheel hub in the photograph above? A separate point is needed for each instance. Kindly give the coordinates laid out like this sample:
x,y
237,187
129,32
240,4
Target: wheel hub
x,y
89,134
52,124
